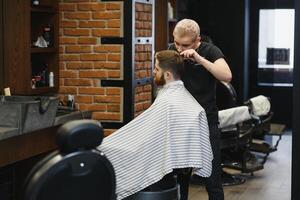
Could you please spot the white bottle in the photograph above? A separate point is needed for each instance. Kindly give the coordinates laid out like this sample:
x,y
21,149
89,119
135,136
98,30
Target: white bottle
x,y
170,11
51,79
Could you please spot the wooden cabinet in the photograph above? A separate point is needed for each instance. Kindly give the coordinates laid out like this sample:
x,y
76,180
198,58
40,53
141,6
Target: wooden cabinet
x,y
172,19
24,67
165,23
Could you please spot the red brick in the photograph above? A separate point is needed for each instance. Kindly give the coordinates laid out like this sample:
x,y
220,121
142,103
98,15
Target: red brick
x,y
107,15
107,99
107,65
106,32
139,48
114,23
108,48
67,40
92,24
146,105
67,6
77,15
67,90
96,82
92,74
78,49
91,90
69,58
77,82
114,57
79,65
113,6
113,108
139,7
147,88
113,74
113,91
68,74
77,32
138,107
68,24
84,99
87,40
91,6
92,57
92,107
147,7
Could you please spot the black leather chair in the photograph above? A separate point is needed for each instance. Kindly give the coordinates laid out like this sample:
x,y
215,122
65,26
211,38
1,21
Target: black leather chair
x,y
236,141
79,171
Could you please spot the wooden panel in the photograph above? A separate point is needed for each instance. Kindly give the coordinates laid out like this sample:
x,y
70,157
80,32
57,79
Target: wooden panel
x,y
27,145
161,26
16,45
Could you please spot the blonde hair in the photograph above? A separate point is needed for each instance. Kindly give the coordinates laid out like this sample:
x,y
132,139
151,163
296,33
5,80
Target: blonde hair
x,y
187,27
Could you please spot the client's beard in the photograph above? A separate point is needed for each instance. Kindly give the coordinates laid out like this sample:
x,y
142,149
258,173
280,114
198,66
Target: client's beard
x,y
161,81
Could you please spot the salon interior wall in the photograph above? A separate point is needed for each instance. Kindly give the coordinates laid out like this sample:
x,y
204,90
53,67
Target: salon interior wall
x,y
224,22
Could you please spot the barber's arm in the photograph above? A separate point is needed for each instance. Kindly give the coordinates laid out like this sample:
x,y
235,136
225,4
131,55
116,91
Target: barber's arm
x,y
219,69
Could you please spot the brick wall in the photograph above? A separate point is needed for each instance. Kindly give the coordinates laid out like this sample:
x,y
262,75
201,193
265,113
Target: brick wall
x,y
143,56
84,62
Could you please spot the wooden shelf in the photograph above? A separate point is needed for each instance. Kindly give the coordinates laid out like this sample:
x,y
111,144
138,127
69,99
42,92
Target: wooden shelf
x,y
41,90
43,9
173,20
43,50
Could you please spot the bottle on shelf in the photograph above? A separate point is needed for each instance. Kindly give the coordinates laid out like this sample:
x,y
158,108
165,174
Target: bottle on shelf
x,y
51,79
35,2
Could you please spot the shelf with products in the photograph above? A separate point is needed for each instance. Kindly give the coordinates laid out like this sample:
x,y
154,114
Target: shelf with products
x,y
42,67
44,47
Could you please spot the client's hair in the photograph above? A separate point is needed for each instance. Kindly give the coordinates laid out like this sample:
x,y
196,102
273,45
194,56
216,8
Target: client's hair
x,y
170,60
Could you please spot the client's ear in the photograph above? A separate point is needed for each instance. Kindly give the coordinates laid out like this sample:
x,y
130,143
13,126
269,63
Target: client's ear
x,y
168,75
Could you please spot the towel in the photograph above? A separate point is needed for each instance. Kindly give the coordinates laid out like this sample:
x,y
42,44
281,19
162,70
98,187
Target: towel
x,y
233,116
260,105
172,133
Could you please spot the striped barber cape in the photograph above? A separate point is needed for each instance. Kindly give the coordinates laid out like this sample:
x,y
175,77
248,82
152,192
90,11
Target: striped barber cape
x,y
172,133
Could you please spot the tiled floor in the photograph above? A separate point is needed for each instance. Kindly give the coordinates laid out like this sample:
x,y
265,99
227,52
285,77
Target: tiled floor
x,y
271,183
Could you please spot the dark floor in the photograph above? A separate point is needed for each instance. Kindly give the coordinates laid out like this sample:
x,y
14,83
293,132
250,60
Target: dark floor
x,y
271,183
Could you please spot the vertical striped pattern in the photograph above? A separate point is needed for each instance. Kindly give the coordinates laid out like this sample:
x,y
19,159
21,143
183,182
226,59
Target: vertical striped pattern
x,y
172,133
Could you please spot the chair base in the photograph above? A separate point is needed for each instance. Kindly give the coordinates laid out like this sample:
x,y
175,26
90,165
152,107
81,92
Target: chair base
x,y
229,179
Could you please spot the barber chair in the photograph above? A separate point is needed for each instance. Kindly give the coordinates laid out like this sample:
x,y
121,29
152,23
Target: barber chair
x,y
260,108
79,171
236,135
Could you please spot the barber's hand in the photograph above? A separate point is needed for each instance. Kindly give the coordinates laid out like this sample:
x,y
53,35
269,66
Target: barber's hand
x,y
191,54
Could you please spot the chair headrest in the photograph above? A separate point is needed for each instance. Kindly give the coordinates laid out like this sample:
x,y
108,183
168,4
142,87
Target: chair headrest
x,y
233,116
79,134
260,105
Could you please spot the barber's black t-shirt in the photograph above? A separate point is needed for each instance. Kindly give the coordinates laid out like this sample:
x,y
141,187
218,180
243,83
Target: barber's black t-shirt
x,y
200,82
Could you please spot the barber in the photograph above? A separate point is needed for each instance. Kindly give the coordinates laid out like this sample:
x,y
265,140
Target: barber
x,y
204,66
